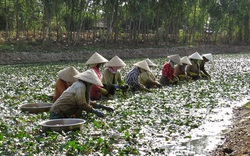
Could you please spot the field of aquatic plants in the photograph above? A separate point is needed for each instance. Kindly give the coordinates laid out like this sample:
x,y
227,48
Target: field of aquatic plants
x,y
142,123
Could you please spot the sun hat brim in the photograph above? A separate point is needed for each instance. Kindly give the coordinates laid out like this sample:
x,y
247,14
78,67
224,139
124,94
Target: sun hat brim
x,y
67,74
96,59
89,76
115,62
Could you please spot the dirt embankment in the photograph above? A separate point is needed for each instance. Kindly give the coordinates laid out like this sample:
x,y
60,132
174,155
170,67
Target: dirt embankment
x,y
33,57
237,140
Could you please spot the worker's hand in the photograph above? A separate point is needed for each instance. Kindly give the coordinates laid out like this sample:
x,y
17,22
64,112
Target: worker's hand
x,y
99,114
193,74
109,109
159,85
104,91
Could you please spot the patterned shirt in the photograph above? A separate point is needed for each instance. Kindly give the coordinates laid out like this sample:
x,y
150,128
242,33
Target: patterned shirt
x,y
132,77
168,71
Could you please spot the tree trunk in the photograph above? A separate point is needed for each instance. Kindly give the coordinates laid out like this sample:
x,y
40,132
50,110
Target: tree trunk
x,y
17,20
116,22
194,25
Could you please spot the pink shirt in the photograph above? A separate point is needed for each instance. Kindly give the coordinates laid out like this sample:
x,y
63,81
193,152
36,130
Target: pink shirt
x,y
95,91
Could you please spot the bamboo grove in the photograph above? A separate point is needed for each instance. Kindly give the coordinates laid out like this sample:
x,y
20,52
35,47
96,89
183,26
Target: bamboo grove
x,y
125,21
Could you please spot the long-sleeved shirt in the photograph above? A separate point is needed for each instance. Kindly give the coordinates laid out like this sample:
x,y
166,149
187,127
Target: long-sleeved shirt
x,y
111,78
132,77
202,68
146,77
194,68
60,87
168,71
179,69
95,90
75,98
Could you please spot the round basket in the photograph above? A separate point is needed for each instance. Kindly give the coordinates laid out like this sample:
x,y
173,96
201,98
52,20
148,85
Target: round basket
x,y
65,124
36,107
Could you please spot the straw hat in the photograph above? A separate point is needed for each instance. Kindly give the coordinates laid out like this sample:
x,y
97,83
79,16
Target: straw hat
x,y
150,63
186,60
115,62
96,58
175,58
143,65
90,77
196,56
208,56
67,74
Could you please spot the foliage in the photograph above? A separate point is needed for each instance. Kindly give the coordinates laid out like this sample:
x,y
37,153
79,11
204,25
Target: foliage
x,y
142,123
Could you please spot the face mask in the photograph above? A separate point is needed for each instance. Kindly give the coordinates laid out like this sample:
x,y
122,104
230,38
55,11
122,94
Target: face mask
x,y
112,70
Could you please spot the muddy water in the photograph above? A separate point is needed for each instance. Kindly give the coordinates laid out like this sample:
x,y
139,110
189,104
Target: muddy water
x,y
210,133
204,138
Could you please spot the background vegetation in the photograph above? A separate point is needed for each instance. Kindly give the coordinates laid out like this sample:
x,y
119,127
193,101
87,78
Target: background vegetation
x,y
124,22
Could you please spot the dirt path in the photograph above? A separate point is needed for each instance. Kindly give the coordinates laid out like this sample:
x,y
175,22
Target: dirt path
x,y
32,57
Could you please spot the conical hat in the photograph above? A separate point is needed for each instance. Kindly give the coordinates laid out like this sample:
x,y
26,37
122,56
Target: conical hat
x,y
186,60
150,63
208,56
196,56
175,58
143,65
90,77
115,62
67,74
96,58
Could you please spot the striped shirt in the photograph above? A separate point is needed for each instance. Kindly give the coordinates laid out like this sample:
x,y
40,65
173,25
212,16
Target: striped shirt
x,y
132,77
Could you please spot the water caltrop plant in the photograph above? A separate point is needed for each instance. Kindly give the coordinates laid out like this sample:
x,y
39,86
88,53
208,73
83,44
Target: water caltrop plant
x,y
142,123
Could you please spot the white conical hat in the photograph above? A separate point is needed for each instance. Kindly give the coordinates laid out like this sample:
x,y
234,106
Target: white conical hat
x,y
196,56
150,63
67,74
208,56
89,76
143,65
186,60
115,62
96,58
175,58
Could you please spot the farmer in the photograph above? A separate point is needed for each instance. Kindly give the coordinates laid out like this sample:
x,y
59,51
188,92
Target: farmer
x,y
95,62
152,65
65,79
179,70
193,71
77,98
168,76
139,77
206,58
112,79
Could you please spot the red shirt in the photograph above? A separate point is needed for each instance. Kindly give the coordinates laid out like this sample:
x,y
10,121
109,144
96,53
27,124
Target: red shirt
x,y
168,71
95,90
